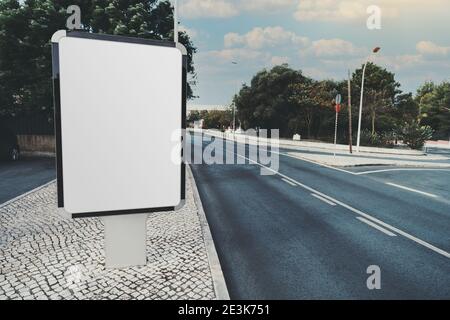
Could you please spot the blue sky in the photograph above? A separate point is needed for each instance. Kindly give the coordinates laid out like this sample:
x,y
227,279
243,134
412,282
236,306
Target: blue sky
x,y
323,38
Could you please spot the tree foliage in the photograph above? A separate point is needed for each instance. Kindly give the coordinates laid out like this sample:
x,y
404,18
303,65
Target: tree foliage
x,y
285,99
25,50
218,119
434,105
266,102
381,91
415,135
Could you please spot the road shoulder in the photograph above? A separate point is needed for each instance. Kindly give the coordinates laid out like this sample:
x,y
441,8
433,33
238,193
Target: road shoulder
x,y
220,286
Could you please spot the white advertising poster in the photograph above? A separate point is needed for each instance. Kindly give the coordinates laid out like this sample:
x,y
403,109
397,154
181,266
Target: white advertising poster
x,y
119,111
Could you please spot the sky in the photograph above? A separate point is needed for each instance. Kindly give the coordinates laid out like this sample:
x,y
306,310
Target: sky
x,y
323,38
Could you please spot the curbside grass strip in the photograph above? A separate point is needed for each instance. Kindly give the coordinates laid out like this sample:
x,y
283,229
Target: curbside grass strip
x,y
220,286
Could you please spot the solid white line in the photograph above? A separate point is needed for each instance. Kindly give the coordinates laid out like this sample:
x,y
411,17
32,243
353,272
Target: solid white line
x,y
289,182
4,204
412,190
365,215
323,199
370,223
401,169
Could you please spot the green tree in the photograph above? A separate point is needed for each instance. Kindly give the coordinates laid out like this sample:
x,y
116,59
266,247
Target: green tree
x,y
380,91
27,26
218,119
265,103
193,116
434,105
415,135
314,104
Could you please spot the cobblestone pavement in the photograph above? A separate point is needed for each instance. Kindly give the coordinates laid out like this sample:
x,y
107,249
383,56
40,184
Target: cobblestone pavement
x,y
46,256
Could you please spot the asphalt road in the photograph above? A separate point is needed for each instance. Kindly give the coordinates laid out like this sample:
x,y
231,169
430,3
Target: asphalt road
x,y
311,232
24,175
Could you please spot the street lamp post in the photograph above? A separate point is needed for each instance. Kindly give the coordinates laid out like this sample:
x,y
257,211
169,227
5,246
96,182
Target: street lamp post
x,y
175,21
362,96
234,109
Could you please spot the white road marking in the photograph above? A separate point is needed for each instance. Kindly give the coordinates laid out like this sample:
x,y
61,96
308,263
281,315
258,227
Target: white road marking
x,y
370,223
365,215
289,182
310,161
356,173
359,212
412,190
323,199
400,169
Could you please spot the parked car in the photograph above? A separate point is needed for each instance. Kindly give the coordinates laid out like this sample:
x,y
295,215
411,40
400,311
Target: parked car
x,y
9,146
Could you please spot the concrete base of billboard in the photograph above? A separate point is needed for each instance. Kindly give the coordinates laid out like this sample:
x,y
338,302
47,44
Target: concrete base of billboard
x,y
125,240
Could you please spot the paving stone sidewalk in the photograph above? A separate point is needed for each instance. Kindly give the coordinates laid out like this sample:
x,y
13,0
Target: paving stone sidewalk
x,y
46,256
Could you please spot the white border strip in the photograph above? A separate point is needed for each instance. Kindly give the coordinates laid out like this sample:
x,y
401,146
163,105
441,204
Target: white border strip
x,y
323,199
412,190
289,182
401,169
370,223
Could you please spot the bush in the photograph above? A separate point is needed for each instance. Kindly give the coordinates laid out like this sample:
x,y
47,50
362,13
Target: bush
x,y
388,139
381,140
371,140
415,135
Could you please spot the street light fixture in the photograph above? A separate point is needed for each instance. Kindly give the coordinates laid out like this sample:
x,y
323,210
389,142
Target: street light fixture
x,y
374,51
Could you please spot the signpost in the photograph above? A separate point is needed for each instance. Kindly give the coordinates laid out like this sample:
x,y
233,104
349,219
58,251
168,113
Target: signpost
x,y
350,133
118,102
338,101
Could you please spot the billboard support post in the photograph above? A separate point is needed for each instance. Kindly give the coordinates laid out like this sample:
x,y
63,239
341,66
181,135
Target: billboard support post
x,y
125,240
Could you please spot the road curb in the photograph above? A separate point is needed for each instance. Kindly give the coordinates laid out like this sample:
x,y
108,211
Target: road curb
x,y
220,287
4,204
375,164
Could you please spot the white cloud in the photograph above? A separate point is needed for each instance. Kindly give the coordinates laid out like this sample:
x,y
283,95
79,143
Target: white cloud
x,y
229,8
432,49
278,60
335,47
208,9
329,10
349,10
237,54
264,37
266,5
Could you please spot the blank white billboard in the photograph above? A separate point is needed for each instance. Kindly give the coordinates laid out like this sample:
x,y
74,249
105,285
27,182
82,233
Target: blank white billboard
x,y
118,103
